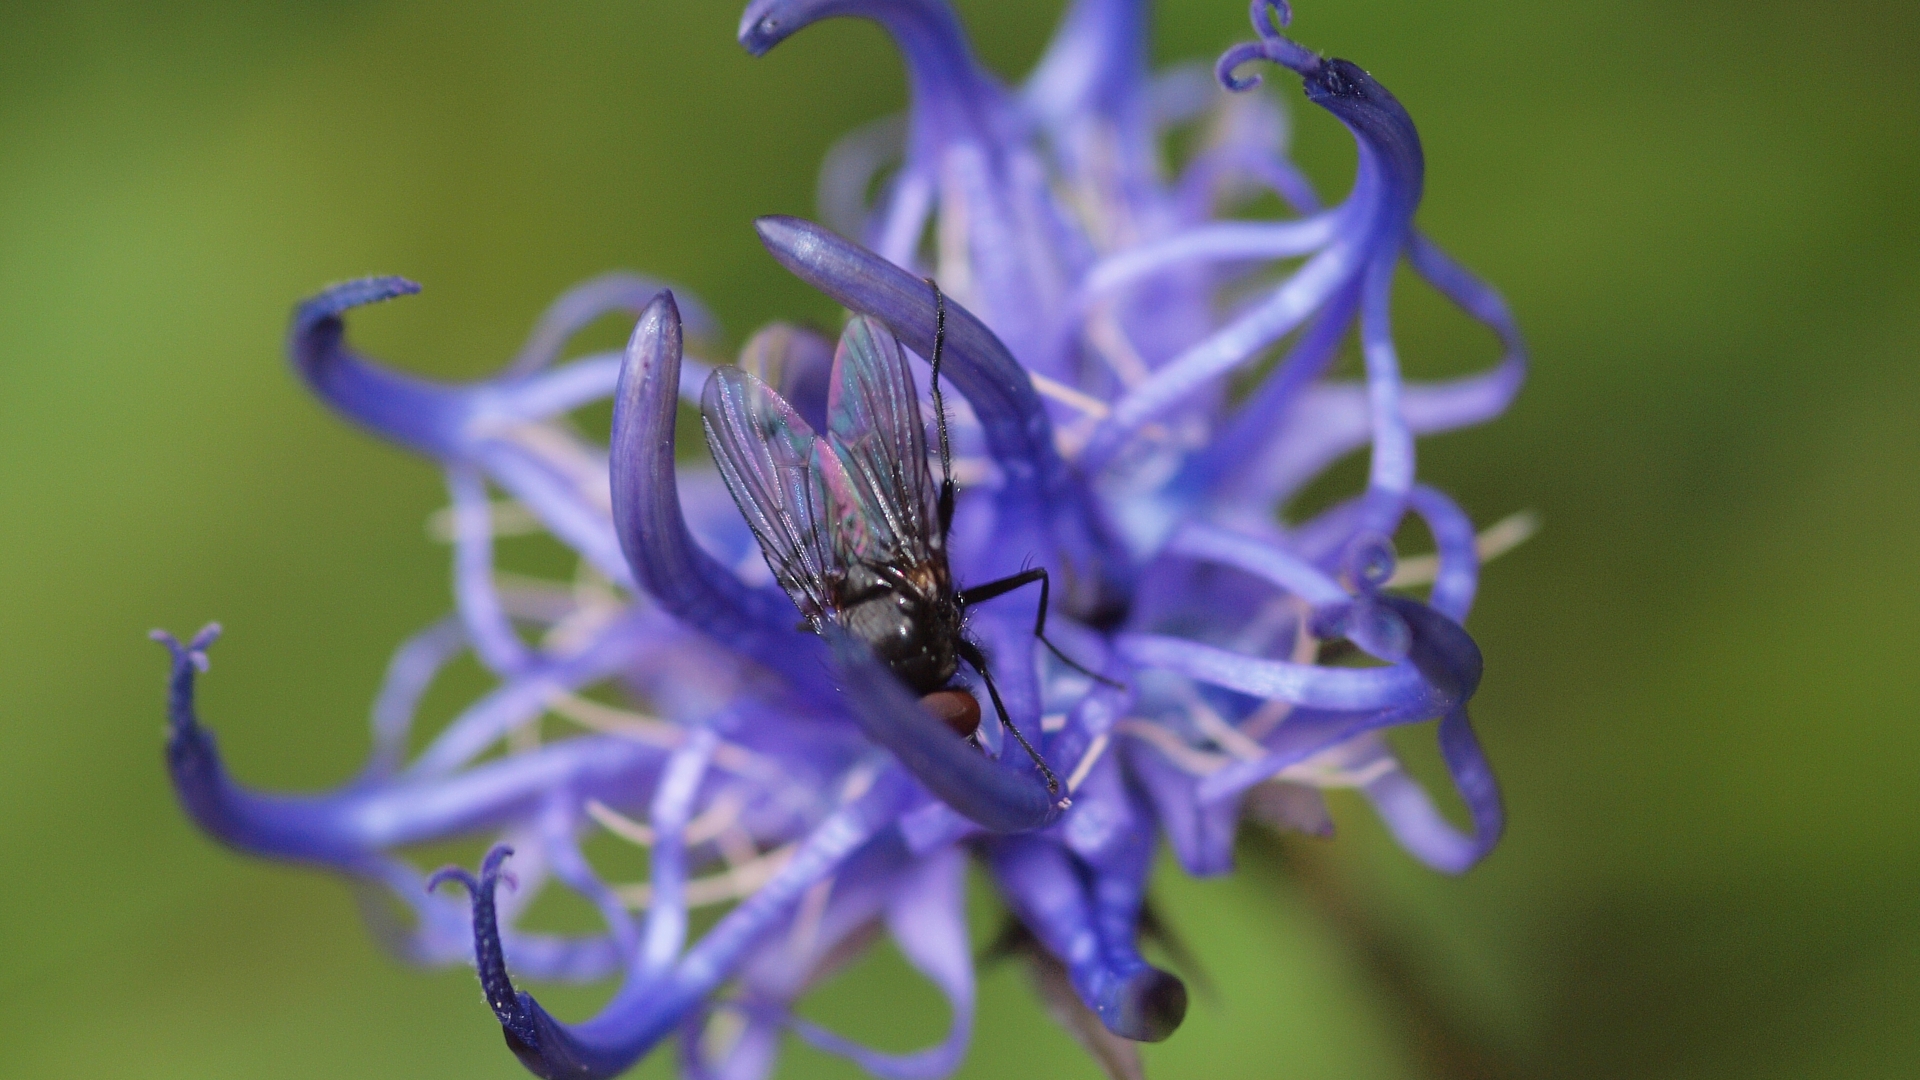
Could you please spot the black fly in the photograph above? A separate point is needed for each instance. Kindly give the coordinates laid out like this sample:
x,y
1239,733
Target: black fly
x,y
851,524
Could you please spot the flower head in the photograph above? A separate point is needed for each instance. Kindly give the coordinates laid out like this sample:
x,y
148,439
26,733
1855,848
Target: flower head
x,y
1102,322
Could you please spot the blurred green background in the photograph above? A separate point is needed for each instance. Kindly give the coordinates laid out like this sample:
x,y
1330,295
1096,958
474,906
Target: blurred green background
x,y
1701,679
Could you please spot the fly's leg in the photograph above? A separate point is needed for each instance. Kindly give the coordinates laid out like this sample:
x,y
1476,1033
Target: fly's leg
x,y
945,509
993,589
973,656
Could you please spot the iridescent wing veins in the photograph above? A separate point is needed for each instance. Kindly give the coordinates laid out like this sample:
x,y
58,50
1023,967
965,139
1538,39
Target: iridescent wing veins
x,y
765,454
874,428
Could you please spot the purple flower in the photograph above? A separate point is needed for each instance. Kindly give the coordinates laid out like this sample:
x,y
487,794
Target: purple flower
x,y
1099,318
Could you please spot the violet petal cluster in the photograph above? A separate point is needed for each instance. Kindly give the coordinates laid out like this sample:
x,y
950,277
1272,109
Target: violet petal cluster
x,y
1105,324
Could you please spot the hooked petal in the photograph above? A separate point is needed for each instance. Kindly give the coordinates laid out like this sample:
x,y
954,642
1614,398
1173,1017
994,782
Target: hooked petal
x,y
347,829
1415,822
463,422
952,95
1459,572
1310,685
645,1010
416,413
1442,660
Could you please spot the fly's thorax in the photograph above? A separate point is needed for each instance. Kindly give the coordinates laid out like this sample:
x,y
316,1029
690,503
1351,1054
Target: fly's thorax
x,y
914,632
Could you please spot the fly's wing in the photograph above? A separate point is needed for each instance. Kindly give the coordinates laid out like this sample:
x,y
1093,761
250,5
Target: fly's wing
x,y
764,450
797,363
873,425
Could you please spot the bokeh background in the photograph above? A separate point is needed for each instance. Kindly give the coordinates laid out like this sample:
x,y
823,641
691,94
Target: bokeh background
x,y
1702,674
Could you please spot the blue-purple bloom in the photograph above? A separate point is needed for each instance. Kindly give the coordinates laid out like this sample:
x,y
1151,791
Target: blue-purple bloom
x,y
1102,324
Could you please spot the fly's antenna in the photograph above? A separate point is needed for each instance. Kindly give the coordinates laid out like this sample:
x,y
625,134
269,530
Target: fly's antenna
x,y
940,408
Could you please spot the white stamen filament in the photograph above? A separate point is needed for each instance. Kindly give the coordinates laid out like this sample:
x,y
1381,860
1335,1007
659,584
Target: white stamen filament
x,y
859,781
1071,438
532,599
1215,727
641,728
1311,771
611,720
971,472
718,818
955,255
1492,542
524,738
1274,710
506,517
580,628
724,887
1110,342
805,935
736,846
1187,758
567,455
723,1031
620,825
1087,761
1067,395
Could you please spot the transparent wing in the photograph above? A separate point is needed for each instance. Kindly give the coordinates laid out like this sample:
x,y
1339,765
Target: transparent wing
x,y
873,425
764,450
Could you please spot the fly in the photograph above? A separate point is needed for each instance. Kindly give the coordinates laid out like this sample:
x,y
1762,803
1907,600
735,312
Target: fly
x,y
851,524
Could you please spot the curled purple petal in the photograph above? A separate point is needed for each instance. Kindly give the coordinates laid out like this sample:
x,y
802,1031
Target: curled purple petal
x,y
1268,17
666,560
646,1010
1418,825
951,92
1001,797
492,634
1298,576
416,413
411,671
1226,241
348,829
1234,344
1277,459
1050,896
1441,672
1459,573
1346,689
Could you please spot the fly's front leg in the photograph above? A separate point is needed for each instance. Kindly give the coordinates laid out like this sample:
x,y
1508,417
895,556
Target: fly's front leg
x,y
972,655
994,589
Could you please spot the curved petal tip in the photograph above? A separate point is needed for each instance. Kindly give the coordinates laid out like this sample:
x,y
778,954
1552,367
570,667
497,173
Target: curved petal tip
x,y
521,1019
1268,17
194,652
349,294
767,23
1149,1006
